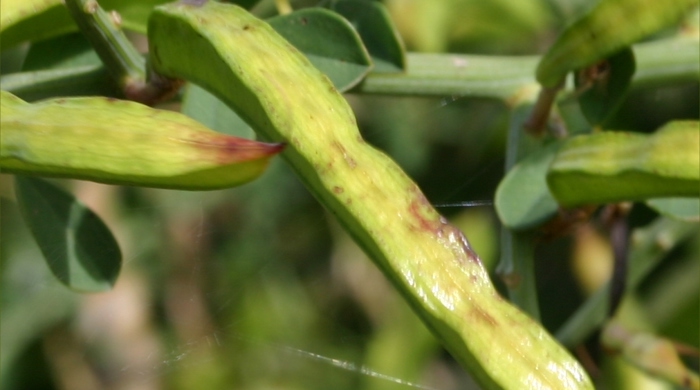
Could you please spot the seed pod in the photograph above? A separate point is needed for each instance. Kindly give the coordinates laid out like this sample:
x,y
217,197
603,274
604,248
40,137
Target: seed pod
x,y
608,27
122,142
243,61
617,166
35,20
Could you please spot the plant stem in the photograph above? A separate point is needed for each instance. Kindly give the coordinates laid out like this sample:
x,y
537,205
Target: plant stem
x,y
673,60
123,61
537,122
283,7
667,61
102,29
75,81
497,77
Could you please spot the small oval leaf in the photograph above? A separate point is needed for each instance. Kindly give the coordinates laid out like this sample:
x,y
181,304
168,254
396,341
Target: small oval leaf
x,y
682,209
522,198
373,23
603,86
202,106
329,42
66,51
78,247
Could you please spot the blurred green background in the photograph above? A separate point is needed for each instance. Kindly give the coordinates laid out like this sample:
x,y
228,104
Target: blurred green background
x,y
258,288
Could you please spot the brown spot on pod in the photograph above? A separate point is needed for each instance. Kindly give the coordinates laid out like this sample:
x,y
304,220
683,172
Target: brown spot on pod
x,y
458,241
480,314
346,156
423,213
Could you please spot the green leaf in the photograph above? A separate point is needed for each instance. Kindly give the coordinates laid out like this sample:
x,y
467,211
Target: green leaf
x,y
682,209
207,109
66,51
78,247
604,85
373,23
522,198
74,81
617,166
329,42
63,66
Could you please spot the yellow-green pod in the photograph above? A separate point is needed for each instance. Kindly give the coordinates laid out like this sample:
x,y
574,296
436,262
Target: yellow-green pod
x,y
276,89
619,166
121,142
29,20
35,20
610,26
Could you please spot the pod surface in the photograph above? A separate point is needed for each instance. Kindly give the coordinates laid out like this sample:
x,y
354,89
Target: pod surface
x,y
122,142
243,61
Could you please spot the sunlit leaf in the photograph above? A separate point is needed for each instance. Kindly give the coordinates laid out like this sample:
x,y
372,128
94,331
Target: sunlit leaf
x,y
329,42
523,199
380,36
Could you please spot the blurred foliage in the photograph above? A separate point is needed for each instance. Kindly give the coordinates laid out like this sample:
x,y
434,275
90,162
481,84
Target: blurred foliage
x,y
257,288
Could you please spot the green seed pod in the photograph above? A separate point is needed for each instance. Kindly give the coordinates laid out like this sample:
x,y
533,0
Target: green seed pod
x,y
25,20
615,166
122,142
276,89
608,27
35,20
